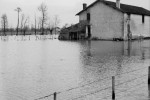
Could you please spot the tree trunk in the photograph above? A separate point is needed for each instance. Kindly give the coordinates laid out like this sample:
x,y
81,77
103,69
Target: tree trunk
x,y
35,26
18,23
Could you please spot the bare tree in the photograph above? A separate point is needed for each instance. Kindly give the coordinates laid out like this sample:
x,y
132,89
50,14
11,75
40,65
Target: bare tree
x,y
65,26
4,23
35,24
43,9
25,27
22,19
39,23
57,21
50,27
18,9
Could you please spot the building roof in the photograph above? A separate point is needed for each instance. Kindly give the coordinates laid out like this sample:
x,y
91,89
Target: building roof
x,y
123,8
79,27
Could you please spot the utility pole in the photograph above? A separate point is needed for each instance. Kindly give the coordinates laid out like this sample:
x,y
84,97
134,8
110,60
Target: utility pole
x,y
18,10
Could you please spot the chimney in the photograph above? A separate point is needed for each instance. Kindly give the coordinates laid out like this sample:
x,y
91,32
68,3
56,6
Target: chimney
x,y
84,6
118,4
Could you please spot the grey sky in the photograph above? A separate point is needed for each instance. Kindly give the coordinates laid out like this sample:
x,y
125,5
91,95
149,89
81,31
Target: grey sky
x,y
65,9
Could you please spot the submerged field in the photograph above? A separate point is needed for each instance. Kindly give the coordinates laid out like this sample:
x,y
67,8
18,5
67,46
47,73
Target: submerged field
x,y
32,67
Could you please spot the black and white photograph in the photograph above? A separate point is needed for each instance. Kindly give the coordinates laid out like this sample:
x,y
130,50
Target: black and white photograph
x,y
74,49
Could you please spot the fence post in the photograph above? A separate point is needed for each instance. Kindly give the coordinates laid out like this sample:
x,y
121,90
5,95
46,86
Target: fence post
x,y
55,95
149,75
113,88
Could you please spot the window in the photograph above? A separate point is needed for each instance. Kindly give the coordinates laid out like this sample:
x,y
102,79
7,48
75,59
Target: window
x,y
88,16
89,31
143,19
129,16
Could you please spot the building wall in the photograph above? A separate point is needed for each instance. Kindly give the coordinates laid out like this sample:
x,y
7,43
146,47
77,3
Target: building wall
x,y
82,16
125,26
106,22
137,27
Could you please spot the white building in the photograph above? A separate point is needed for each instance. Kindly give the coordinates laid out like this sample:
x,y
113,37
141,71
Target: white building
x,y
111,20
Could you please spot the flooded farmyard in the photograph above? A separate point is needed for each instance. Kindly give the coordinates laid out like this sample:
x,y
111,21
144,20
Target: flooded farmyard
x,y
74,50
33,68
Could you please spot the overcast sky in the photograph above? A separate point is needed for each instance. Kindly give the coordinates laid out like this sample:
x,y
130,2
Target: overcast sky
x,y
65,9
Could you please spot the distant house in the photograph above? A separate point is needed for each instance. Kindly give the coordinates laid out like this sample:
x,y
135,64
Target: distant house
x,y
112,20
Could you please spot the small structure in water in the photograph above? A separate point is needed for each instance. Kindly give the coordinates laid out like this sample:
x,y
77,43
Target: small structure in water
x,y
74,32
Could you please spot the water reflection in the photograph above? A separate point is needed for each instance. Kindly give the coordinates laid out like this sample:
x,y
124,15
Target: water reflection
x,y
126,48
129,48
89,49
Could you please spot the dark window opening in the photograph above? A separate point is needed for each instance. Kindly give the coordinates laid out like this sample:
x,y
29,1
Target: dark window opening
x,y
88,16
89,31
129,16
143,19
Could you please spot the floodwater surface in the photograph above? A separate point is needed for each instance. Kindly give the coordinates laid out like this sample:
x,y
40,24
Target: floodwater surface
x,y
35,67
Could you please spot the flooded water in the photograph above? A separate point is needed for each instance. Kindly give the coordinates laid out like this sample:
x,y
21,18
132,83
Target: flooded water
x,y
34,67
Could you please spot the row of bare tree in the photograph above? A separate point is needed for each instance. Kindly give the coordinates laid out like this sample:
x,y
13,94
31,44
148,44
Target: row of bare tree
x,y
41,24
4,23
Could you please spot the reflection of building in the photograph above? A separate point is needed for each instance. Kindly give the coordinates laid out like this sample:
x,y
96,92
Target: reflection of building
x,y
127,48
110,20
